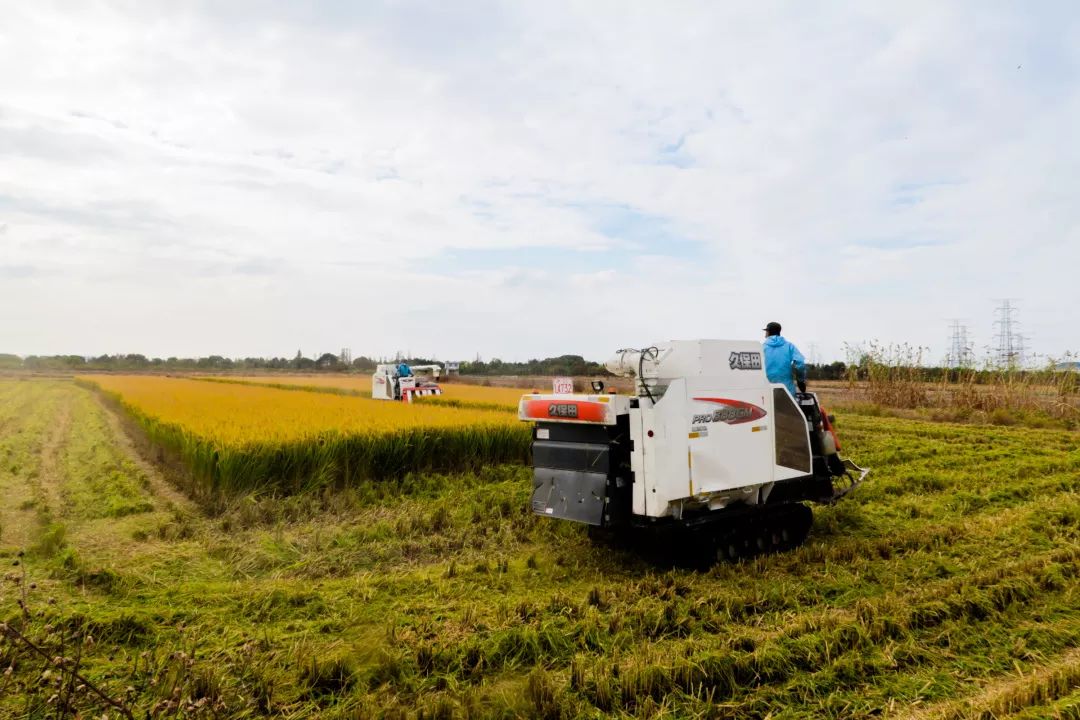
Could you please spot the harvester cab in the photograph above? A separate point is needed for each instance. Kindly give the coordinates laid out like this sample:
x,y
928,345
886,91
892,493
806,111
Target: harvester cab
x,y
706,446
404,382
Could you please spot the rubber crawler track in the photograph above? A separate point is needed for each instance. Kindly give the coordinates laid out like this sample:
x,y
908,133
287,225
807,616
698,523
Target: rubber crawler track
x,y
718,537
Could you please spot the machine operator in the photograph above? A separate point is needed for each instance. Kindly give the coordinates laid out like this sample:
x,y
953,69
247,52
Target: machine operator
x,y
781,358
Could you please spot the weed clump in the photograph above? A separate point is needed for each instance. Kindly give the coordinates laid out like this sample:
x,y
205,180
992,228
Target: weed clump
x,y
327,676
897,376
544,698
52,540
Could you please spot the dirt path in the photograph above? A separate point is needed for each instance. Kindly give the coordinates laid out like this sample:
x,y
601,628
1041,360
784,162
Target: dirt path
x,y
160,487
50,478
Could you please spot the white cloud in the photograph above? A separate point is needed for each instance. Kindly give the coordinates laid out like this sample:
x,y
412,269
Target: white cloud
x,y
246,178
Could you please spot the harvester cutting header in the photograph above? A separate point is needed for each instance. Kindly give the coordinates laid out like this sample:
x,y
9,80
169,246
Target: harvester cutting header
x,y
706,445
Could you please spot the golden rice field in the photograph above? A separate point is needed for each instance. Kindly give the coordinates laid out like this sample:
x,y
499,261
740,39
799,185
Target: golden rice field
x,y
481,394
454,394
359,383
239,437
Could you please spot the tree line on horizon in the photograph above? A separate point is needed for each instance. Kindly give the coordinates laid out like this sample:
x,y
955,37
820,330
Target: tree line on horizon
x,y
327,362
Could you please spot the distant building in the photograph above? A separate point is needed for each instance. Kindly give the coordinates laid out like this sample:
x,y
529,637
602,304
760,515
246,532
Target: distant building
x,y
1074,366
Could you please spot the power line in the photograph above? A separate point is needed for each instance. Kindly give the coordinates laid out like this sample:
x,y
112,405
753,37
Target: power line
x,y
961,353
1009,352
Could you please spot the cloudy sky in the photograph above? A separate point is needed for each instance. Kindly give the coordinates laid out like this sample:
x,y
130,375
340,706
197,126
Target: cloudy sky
x,y
528,179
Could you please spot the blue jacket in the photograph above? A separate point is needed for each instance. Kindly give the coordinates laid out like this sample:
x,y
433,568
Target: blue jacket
x,y
780,356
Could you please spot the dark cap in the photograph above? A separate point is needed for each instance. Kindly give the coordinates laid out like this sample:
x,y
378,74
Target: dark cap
x,y
772,328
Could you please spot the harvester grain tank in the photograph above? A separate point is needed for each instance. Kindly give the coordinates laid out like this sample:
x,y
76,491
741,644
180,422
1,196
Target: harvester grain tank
x,y
706,446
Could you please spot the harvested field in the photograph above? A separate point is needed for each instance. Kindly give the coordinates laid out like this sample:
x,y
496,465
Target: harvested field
x,y
947,586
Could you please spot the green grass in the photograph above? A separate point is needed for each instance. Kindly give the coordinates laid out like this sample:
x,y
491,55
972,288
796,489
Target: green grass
x,y
946,586
102,481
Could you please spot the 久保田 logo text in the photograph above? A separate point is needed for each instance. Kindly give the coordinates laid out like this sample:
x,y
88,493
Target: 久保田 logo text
x,y
745,360
566,410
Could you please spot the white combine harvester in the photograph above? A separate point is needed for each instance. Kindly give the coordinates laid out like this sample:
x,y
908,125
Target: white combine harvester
x,y
706,447
402,382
